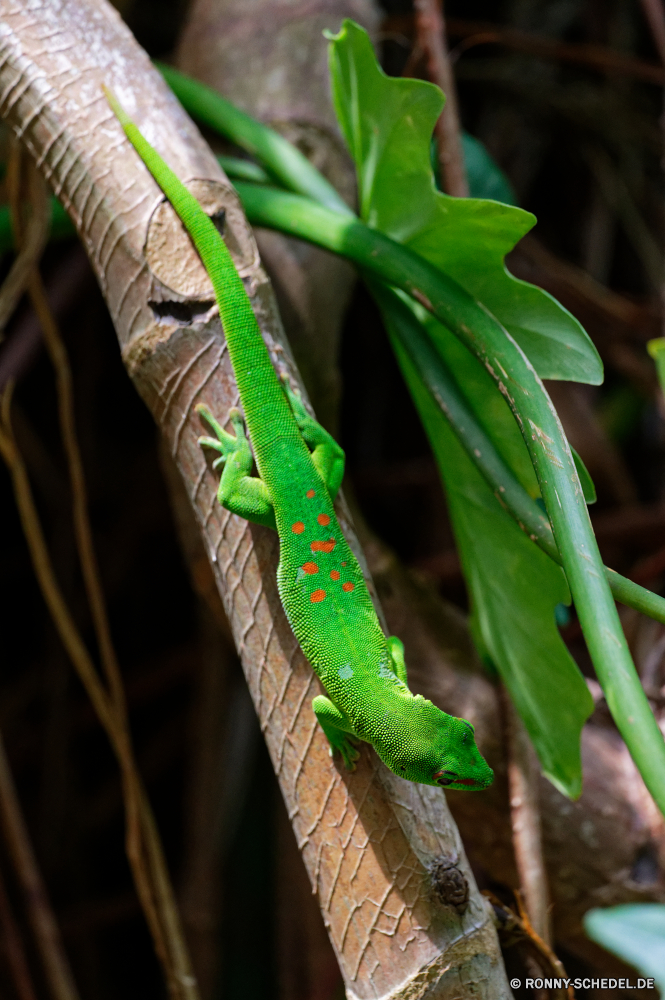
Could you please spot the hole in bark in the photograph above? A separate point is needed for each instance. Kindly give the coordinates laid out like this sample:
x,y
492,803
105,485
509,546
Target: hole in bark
x,y
646,869
219,221
449,884
181,313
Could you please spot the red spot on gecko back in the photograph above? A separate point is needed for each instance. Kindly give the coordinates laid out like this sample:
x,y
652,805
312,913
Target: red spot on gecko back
x,y
317,596
334,575
298,528
323,520
348,587
343,564
323,546
310,568
310,494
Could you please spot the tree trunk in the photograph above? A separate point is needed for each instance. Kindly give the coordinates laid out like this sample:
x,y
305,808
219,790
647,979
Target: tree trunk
x,y
368,839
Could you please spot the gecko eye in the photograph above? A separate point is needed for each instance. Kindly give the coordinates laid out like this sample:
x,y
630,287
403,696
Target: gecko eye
x,y
445,777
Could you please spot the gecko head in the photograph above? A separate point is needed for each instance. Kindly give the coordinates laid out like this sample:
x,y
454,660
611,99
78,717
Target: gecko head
x,y
462,766
441,750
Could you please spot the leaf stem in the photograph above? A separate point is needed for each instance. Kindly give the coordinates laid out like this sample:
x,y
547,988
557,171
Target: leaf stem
x,y
284,161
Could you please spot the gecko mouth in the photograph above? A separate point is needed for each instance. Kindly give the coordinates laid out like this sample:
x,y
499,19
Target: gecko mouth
x,y
446,778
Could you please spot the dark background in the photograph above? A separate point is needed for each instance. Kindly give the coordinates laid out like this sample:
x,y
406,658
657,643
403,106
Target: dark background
x,y
583,151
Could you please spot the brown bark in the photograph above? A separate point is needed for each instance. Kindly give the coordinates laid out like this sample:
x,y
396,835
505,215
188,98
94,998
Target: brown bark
x,y
367,838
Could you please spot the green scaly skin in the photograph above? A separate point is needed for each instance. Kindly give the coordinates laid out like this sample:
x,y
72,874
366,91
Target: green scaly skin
x,y
320,583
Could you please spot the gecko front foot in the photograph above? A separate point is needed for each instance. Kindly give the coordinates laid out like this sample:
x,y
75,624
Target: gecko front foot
x,y
350,753
341,740
223,442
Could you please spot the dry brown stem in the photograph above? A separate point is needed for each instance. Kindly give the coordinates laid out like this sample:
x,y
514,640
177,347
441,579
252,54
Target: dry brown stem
x,y
143,845
79,656
45,928
522,767
58,355
12,945
525,820
655,15
367,838
597,57
36,234
431,39
516,928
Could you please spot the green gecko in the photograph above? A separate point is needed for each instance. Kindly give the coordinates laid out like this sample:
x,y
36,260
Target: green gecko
x,y
320,582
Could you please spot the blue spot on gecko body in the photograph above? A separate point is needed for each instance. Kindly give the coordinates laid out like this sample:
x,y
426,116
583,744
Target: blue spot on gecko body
x,y
386,672
345,672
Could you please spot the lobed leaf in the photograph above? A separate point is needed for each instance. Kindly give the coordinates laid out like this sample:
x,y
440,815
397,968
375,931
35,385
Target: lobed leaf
x,y
388,123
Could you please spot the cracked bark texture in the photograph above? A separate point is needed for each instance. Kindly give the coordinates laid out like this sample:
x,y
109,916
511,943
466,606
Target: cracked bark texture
x,y
367,839
270,58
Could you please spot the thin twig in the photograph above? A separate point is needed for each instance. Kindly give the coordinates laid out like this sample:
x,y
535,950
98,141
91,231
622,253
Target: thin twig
x,y
82,530
65,285
135,801
143,844
595,57
619,197
36,234
56,966
608,302
516,928
525,819
44,571
655,15
13,947
431,38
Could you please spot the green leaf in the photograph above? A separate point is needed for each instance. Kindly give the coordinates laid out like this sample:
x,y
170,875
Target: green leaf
x,y
586,482
514,587
490,408
636,933
486,179
478,389
388,123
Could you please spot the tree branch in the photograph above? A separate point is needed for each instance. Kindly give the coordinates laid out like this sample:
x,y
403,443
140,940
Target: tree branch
x,y
366,838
